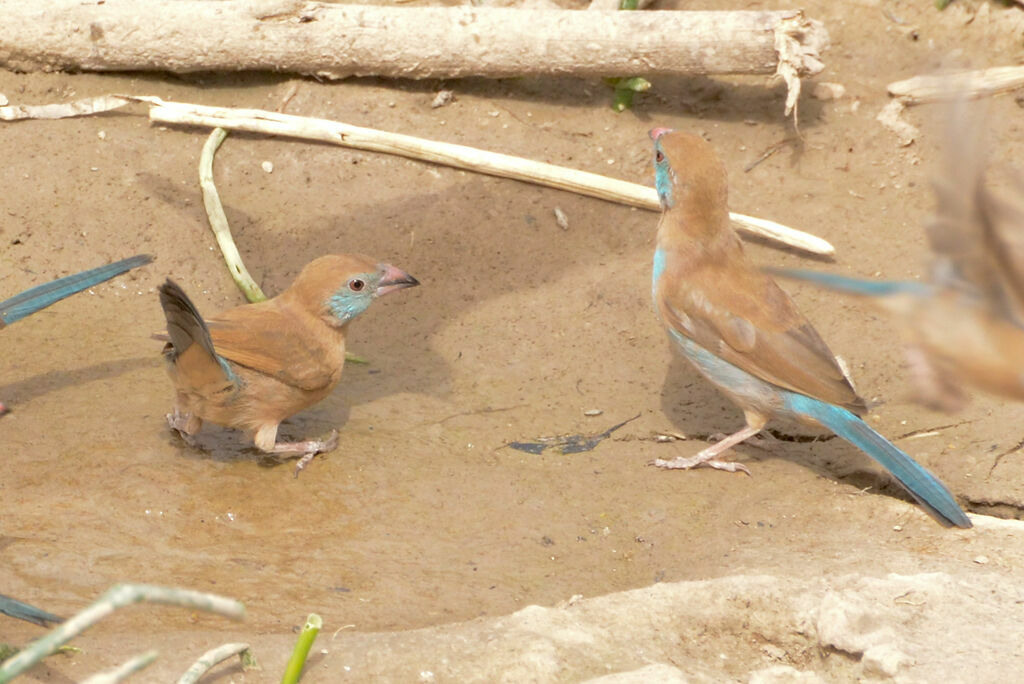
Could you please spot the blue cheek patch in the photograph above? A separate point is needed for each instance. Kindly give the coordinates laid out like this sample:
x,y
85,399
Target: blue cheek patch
x,y
346,305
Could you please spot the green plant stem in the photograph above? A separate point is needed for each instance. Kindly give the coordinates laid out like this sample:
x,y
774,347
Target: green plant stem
x,y
219,220
295,664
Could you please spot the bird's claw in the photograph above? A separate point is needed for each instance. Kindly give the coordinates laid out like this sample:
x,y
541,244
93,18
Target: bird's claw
x,y
314,448
696,462
178,422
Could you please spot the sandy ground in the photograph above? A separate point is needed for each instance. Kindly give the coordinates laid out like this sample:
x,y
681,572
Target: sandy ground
x,y
423,517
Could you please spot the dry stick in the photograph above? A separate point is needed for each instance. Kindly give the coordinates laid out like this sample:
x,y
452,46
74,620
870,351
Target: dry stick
x,y
123,671
217,655
336,41
458,156
219,221
957,84
944,87
118,596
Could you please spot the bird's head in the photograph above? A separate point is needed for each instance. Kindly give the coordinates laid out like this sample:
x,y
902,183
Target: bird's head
x,y
687,171
339,287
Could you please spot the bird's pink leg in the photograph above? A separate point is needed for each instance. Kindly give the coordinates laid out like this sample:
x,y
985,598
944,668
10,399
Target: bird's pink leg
x,y
709,456
306,451
185,424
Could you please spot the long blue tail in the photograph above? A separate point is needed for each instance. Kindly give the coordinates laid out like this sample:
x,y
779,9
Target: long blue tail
x,y
922,485
42,296
23,611
853,286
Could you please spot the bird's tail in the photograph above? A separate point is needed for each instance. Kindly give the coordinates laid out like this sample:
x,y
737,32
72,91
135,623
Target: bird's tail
x,y
921,484
23,611
42,296
853,286
190,346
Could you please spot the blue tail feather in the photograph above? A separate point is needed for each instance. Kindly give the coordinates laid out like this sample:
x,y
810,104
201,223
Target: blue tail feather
x,y
24,611
854,286
921,484
42,296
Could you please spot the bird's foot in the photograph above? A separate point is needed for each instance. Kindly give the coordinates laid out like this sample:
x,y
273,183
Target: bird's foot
x,y
306,451
3,409
183,424
709,456
681,463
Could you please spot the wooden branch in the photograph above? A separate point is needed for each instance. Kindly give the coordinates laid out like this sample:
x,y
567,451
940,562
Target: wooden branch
x,y
958,84
337,41
944,87
458,156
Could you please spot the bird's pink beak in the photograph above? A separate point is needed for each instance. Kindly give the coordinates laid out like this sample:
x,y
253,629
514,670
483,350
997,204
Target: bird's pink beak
x,y
656,133
394,279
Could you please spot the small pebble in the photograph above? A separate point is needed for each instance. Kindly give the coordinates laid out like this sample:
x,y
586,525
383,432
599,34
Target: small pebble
x,y
102,135
268,166
827,91
563,222
593,412
981,560
442,98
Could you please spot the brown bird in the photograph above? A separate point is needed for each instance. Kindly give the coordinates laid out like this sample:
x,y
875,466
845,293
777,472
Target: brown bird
x,y
251,367
744,334
964,324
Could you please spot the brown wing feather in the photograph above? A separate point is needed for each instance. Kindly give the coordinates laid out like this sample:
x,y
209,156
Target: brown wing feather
x,y
268,340
742,316
976,235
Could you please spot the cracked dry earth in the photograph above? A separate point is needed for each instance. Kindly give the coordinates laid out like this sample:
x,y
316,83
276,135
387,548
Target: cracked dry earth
x,y
432,550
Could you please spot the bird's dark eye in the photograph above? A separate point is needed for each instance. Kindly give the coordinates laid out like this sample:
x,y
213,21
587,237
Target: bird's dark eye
x,y
356,285
659,156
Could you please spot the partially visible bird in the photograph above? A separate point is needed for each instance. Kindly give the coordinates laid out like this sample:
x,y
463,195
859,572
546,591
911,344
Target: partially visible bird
x,y
255,365
744,334
41,296
965,324
23,611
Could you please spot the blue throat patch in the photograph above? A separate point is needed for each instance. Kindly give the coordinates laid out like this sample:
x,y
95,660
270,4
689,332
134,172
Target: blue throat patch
x,y
663,184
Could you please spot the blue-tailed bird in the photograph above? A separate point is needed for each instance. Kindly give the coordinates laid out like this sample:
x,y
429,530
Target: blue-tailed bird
x,y
255,365
744,334
965,323
41,296
24,611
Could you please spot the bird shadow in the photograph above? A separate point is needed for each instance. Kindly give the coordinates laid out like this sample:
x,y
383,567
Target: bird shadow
x,y
28,389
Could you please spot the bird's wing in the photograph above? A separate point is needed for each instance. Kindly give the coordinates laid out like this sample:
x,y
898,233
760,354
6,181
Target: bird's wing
x,y
268,340
977,237
742,316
